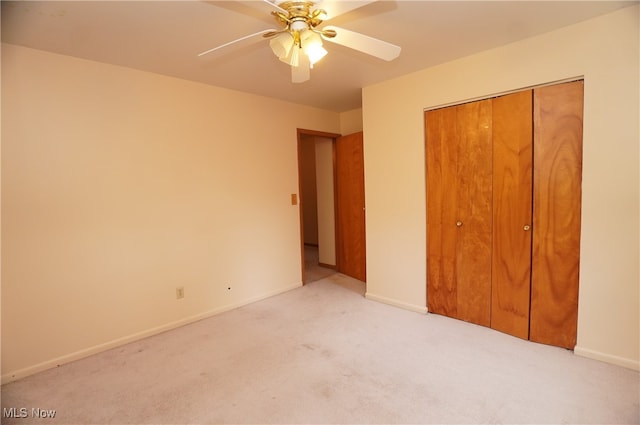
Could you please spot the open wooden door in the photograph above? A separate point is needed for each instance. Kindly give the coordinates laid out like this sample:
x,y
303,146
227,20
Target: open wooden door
x,y
350,217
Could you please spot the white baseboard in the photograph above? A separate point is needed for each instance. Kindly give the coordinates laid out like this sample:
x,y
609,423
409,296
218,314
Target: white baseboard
x,y
67,358
607,358
579,351
396,303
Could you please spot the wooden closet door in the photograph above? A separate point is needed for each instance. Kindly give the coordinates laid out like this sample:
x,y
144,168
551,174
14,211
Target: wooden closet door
x,y
557,199
458,146
442,163
512,197
474,217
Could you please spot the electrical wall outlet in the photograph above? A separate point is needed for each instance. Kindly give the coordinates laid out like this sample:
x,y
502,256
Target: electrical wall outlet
x,y
179,292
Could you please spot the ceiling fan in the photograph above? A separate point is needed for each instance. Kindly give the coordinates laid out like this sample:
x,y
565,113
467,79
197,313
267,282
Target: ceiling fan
x,y
299,41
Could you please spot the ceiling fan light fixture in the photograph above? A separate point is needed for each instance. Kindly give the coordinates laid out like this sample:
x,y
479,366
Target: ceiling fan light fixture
x,y
315,54
312,46
293,58
281,45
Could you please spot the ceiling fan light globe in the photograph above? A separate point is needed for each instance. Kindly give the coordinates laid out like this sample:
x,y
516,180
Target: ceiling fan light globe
x,y
312,46
293,58
315,53
310,37
281,45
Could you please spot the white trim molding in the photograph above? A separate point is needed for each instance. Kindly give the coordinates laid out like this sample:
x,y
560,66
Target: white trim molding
x,y
607,358
396,303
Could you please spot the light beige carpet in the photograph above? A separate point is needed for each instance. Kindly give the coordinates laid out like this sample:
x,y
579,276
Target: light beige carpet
x,y
324,354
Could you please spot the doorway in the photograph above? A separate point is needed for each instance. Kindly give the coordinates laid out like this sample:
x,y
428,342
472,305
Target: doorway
x,y
331,188
316,171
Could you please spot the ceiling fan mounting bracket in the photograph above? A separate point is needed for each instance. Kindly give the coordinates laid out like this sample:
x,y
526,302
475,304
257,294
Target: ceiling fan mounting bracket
x,y
299,15
297,8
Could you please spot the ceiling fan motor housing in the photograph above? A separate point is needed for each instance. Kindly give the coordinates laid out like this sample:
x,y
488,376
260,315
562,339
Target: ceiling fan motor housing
x,y
300,15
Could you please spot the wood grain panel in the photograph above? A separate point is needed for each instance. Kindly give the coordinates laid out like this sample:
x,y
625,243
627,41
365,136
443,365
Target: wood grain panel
x,y
556,220
512,198
441,164
474,200
351,243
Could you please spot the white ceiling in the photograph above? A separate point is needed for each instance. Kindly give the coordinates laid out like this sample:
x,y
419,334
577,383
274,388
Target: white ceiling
x,y
165,37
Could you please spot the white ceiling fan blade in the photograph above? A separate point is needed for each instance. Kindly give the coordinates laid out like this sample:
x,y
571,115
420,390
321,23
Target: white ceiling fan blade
x,y
242,41
338,7
302,72
363,43
274,4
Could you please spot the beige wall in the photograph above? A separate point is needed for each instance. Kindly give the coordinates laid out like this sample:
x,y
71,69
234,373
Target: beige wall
x,y
605,51
351,121
119,186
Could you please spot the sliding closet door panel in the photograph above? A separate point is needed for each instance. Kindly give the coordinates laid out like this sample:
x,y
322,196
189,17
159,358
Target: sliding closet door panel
x,y
442,163
557,207
512,180
474,217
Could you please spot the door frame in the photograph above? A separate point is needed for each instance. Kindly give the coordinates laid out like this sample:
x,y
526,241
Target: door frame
x,y
300,133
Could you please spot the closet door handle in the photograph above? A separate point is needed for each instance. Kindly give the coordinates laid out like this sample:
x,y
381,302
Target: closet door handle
x,y
526,227
458,223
